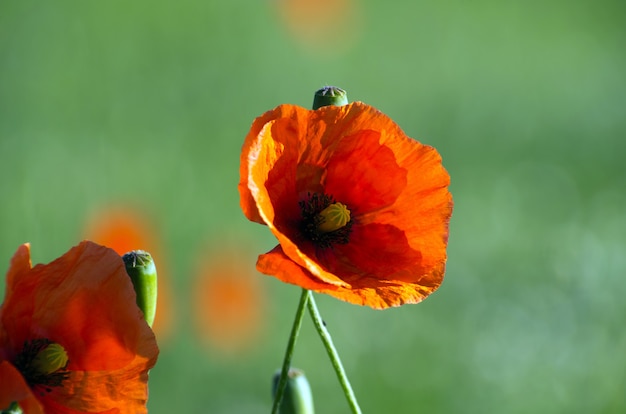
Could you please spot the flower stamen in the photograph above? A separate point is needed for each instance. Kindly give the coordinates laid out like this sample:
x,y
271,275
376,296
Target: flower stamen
x,y
325,222
50,359
334,217
43,362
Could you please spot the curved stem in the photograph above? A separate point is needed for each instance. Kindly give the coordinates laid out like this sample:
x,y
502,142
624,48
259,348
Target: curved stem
x,y
334,356
295,329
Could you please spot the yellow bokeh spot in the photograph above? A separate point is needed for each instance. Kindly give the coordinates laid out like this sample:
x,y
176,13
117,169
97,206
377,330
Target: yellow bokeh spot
x,y
334,217
50,359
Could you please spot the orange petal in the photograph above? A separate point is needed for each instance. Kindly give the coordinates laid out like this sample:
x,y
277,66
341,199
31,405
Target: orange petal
x,y
375,251
375,293
277,263
122,391
363,174
424,208
15,389
20,265
248,204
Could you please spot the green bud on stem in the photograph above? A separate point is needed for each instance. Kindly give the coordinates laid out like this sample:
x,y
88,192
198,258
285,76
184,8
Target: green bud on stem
x,y
330,95
14,408
297,398
142,271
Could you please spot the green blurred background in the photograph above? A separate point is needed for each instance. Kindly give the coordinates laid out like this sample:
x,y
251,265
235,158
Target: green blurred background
x,y
146,103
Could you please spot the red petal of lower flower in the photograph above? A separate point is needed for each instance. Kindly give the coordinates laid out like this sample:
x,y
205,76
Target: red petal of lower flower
x,y
95,392
15,389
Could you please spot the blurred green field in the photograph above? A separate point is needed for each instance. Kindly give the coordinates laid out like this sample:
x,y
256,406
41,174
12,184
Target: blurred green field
x,y
147,103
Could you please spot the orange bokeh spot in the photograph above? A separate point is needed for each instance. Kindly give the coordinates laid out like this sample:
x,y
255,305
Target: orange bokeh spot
x,y
124,229
329,24
228,303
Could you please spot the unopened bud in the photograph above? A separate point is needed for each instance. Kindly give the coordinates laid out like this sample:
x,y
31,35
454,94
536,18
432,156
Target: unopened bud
x,y
14,408
142,271
297,398
330,95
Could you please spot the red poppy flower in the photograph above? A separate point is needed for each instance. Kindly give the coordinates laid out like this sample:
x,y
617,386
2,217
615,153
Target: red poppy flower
x,y
359,209
72,339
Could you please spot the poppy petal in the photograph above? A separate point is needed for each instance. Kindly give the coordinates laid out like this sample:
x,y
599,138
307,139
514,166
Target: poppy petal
x,y
375,251
112,391
248,204
277,263
375,293
15,389
424,208
358,184
20,265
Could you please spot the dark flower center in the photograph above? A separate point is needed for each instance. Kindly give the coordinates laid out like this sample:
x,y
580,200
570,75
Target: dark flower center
x,y
325,222
43,362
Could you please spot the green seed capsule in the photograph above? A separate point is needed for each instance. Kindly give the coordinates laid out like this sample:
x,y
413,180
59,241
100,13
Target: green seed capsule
x,y
329,96
50,359
142,271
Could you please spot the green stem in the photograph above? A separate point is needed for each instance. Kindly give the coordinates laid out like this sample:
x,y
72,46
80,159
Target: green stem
x,y
334,356
295,329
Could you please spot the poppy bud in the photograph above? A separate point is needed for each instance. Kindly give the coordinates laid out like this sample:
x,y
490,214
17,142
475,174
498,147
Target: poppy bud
x,y
330,95
297,398
142,271
14,408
